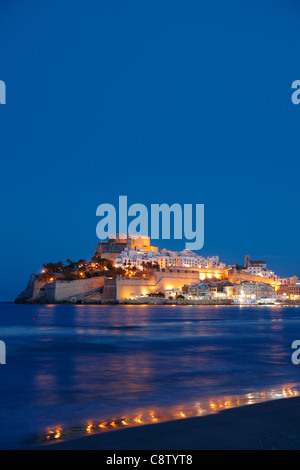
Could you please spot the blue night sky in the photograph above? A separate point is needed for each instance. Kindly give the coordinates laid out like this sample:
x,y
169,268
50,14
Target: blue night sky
x,y
162,101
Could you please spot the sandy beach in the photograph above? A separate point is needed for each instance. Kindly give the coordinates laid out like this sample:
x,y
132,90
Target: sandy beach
x,y
267,426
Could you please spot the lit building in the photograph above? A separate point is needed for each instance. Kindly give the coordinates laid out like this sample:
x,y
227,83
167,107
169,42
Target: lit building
x,y
197,291
258,268
116,244
166,259
213,262
290,291
254,264
230,290
253,292
283,281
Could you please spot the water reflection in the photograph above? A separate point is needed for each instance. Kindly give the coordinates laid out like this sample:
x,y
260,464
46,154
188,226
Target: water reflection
x,y
159,415
133,365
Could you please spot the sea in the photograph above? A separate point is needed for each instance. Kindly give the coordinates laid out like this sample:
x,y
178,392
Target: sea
x,y
76,370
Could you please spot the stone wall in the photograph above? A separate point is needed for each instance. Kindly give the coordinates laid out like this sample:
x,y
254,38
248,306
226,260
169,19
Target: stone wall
x,y
28,293
122,288
236,277
110,289
66,290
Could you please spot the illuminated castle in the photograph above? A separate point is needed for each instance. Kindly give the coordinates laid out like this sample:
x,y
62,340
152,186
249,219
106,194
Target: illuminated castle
x,y
116,244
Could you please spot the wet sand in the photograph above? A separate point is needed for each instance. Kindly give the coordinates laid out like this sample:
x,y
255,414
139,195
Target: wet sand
x,y
272,425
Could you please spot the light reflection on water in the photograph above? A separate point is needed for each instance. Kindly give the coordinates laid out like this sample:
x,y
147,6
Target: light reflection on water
x,y
159,415
80,366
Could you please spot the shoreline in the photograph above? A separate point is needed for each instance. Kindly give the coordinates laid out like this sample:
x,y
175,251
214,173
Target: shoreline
x,y
272,425
132,302
164,302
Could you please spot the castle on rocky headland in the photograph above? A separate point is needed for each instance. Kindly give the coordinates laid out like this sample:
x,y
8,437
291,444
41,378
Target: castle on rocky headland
x,y
129,269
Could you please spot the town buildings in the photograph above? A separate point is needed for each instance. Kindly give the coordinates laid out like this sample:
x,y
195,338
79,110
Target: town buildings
x,y
129,268
258,268
138,256
255,292
250,283
291,290
115,245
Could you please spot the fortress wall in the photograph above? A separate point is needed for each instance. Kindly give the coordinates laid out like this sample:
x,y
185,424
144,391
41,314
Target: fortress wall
x,y
126,288
173,280
236,277
66,289
208,273
109,256
110,289
61,290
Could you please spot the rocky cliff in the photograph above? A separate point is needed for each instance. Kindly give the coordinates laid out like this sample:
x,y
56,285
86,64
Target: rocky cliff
x,y
27,294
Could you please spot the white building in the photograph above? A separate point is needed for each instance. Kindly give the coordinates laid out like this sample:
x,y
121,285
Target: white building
x,y
259,268
252,292
263,273
165,259
213,262
198,291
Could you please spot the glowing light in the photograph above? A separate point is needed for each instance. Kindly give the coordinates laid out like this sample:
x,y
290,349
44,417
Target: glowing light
x,y
288,393
138,419
149,416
